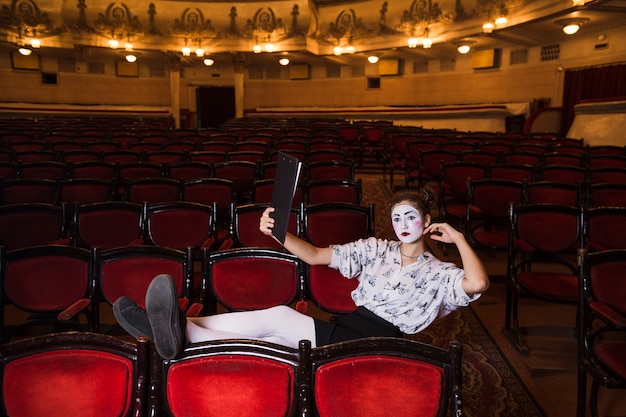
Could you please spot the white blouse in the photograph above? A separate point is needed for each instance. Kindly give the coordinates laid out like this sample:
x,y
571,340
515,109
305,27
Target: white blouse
x,y
410,297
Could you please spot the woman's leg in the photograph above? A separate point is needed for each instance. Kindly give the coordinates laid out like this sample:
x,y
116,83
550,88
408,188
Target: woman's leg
x,y
280,324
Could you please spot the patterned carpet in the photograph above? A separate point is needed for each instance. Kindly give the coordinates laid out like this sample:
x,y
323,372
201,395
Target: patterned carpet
x,y
491,387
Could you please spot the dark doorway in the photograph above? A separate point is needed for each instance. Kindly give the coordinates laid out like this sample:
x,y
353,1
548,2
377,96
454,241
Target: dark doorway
x,y
215,105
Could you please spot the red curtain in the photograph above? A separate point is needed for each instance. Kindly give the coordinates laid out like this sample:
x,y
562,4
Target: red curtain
x,y
591,83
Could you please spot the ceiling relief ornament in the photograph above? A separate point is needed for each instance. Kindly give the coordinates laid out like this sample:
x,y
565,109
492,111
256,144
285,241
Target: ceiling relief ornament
x,y
25,18
345,28
265,26
193,25
118,22
424,14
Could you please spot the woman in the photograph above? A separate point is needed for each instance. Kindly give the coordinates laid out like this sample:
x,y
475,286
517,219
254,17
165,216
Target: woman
x,y
402,289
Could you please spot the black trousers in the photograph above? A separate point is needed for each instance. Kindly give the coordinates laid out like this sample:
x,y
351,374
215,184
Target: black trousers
x,y
355,325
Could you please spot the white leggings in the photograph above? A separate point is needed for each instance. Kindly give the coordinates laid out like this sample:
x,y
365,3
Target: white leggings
x,y
281,324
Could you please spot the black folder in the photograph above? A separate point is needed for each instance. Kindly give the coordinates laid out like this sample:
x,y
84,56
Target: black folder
x,y
287,175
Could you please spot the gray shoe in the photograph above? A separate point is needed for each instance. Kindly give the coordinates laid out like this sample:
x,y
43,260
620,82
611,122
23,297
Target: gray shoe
x,y
165,316
132,318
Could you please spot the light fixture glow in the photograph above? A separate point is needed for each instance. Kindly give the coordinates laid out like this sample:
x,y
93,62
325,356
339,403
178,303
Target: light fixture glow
x,y
131,58
488,27
186,51
427,43
372,59
113,43
200,52
25,51
257,49
571,28
269,47
350,49
35,43
128,46
412,42
463,49
283,61
578,2
501,21
338,50
208,62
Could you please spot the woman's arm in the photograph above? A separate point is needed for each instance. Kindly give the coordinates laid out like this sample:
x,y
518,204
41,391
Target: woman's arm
x,y
476,279
305,251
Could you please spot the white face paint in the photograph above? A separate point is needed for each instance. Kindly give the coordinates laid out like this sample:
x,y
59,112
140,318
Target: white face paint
x,y
407,223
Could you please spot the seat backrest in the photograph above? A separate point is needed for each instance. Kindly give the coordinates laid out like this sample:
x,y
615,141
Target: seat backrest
x,y
44,280
337,223
245,231
493,197
454,176
512,172
605,228
243,173
209,190
380,377
48,170
335,191
74,374
93,169
235,378
31,224
563,173
262,191
107,224
600,175
607,194
180,224
153,190
127,271
552,192
528,227
323,170
185,171
19,191
430,161
86,190
252,278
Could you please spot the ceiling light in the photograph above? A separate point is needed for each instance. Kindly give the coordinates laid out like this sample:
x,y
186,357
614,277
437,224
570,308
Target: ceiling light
x,y
186,51
501,21
269,47
488,27
200,52
35,43
283,61
128,46
578,2
463,48
338,50
113,43
571,26
257,49
372,59
208,62
350,49
131,58
427,43
25,51
412,42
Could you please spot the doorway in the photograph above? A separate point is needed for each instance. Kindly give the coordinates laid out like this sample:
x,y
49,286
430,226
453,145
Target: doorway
x,y
215,105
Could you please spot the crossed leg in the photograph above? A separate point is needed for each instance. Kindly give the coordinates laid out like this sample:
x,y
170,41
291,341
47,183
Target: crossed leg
x,y
280,324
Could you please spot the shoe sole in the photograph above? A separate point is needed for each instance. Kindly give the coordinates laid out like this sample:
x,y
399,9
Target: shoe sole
x,y
128,326
163,311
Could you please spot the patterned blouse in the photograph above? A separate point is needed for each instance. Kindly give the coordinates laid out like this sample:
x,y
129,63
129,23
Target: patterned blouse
x,y
410,297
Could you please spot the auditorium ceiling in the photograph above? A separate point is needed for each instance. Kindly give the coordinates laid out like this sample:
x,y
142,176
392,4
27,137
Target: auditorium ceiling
x,y
315,32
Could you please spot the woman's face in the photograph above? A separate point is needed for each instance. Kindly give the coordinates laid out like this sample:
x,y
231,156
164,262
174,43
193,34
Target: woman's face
x,y
407,222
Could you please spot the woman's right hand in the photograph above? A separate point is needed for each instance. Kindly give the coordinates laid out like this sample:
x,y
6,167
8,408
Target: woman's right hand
x,y
266,223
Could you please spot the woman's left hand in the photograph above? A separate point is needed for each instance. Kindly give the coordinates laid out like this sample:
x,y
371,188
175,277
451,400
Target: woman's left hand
x,y
443,232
